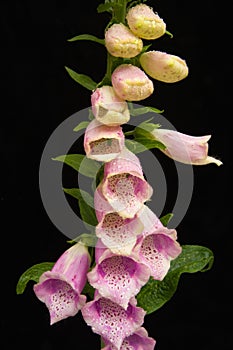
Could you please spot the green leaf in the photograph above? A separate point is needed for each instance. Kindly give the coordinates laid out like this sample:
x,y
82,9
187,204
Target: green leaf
x,y
32,274
86,205
143,110
155,293
80,163
88,290
81,126
82,79
166,218
88,37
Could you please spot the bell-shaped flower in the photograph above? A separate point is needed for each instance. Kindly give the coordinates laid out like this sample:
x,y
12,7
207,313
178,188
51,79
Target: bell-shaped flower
x,y
108,108
139,340
121,42
131,83
111,321
117,233
118,277
156,247
124,185
60,289
145,23
185,148
163,66
101,142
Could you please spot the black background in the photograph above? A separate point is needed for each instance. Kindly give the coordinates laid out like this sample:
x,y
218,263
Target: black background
x,y
37,95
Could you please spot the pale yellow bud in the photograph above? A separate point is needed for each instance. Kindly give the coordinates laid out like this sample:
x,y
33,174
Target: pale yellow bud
x,y
163,66
145,23
121,42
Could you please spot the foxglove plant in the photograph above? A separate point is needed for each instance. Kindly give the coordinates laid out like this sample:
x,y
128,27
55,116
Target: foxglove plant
x,y
130,252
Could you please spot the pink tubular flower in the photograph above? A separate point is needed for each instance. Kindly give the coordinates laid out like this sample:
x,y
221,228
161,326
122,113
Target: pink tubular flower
x,y
121,42
108,108
118,277
111,321
156,248
60,288
116,233
124,185
145,23
184,148
101,142
139,340
163,66
131,83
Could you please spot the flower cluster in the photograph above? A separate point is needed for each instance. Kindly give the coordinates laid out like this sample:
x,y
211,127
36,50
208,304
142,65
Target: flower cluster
x,y
133,245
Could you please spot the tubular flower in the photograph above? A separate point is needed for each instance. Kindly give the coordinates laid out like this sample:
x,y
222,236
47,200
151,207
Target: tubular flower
x,y
121,42
101,142
131,83
184,148
111,321
157,249
124,185
145,23
116,233
108,108
60,289
163,66
118,277
137,341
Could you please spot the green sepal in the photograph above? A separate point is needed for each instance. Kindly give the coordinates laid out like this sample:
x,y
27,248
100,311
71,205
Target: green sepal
x,y
155,294
82,79
87,239
134,112
32,274
81,126
166,218
87,37
80,163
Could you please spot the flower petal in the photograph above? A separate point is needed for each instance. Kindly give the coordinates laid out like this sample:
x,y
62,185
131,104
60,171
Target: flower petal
x,y
185,148
118,277
101,142
139,340
111,321
108,108
124,185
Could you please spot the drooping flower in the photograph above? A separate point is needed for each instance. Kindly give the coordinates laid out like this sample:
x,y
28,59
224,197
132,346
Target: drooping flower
x,y
108,108
111,321
117,233
124,185
145,23
60,289
185,148
139,340
163,66
156,247
101,142
118,277
131,83
121,42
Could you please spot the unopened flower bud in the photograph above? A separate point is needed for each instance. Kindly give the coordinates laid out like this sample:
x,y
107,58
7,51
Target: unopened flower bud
x,y
108,108
145,23
163,66
131,83
121,42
